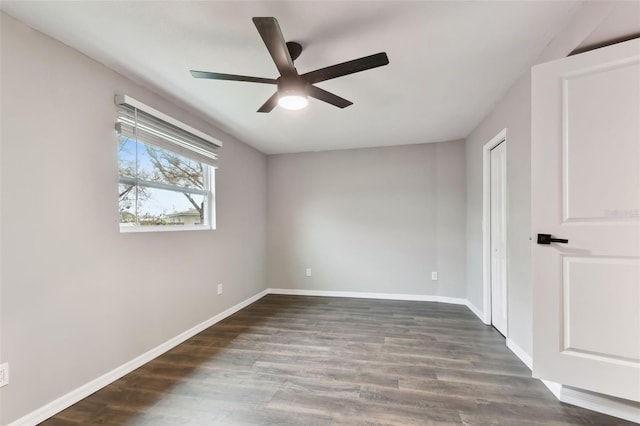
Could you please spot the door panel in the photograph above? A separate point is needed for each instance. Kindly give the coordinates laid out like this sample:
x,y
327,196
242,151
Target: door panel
x,y
596,134
586,188
587,284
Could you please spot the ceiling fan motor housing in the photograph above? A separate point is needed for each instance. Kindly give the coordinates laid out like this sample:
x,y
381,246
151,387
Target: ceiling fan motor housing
x,y
293,86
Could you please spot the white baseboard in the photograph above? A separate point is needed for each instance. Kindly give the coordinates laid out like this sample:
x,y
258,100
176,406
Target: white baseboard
x,y
365,295
520,353
66,401
476,311
554,387
615,407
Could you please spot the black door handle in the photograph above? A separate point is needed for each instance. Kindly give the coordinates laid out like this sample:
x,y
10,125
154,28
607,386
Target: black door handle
x,y
546,239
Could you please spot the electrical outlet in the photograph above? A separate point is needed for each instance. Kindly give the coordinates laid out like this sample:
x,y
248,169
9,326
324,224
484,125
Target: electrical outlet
x,y
307,272
4,374
434,276
219,288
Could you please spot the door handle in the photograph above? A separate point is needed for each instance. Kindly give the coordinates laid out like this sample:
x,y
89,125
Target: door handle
x,y
546,239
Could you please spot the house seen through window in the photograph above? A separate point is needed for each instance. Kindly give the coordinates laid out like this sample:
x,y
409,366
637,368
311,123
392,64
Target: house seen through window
x,y
163,183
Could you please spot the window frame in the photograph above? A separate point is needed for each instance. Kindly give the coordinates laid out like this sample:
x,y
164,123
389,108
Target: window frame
x,y
139,138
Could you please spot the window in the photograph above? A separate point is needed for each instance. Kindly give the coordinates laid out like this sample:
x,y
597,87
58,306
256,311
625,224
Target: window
x,y
166,171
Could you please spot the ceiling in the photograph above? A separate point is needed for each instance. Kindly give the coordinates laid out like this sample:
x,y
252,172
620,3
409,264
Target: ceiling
x,y
450,61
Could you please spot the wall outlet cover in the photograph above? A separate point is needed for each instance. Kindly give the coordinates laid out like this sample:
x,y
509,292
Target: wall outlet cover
x,y
219,288
434,276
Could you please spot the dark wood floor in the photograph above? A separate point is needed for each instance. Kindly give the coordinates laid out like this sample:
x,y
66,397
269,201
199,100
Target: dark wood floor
x,y
292,360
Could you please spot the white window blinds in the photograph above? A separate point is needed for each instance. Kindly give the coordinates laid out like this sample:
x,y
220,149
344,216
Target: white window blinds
x,y
143,123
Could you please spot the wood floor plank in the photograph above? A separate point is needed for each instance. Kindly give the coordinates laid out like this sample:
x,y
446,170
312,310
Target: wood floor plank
x,y
294,360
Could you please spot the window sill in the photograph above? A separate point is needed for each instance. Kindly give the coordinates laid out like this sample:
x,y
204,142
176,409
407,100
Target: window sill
x,y
126,229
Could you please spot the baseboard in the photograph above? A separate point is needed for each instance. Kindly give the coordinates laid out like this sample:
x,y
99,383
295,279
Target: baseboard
x,y
615,407
366,295
476,311
65,401
554,388
520,353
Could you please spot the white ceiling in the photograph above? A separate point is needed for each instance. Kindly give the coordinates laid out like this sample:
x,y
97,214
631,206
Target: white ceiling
x,y
450,61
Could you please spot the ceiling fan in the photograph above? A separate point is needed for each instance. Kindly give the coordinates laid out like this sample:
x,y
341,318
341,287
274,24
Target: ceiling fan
x,y
293,88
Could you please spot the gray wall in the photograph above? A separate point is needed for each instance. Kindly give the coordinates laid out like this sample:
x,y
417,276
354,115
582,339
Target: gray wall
x,y
514,113
369,220
78,297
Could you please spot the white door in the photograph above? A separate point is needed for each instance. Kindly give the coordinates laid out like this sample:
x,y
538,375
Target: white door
x,y
498,226
586,189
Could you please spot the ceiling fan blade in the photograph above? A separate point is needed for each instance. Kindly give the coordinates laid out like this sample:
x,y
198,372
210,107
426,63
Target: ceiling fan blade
x,y
233,77
271,103
346,68
272,36
328,97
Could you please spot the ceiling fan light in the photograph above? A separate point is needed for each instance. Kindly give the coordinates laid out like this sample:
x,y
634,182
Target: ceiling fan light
x,y
293,102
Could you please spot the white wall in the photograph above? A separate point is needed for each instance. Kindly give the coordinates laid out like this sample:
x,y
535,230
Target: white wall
x,y
78,297
514,113
369,220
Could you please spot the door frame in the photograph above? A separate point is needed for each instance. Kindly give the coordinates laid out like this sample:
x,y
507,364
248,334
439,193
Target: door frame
x,y
501,137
